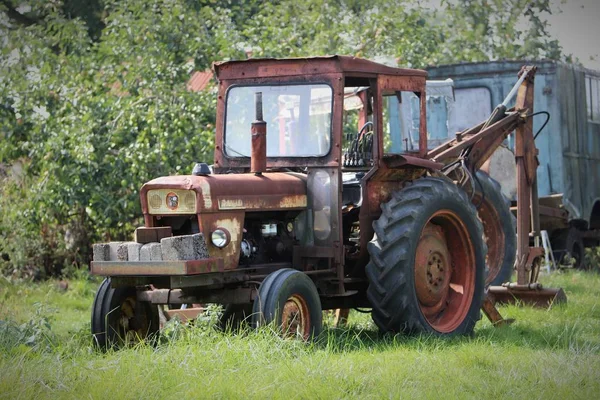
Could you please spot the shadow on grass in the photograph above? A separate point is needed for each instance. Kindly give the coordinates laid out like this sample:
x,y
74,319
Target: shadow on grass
x,y
571,337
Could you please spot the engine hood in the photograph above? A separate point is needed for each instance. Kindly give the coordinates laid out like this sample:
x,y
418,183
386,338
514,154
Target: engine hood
x,y
270,191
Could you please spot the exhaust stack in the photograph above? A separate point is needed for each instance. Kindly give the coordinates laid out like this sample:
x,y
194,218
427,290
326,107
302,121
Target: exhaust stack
x,y
258,160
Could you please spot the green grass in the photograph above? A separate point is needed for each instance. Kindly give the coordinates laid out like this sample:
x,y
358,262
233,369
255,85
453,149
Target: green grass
x,y
544,354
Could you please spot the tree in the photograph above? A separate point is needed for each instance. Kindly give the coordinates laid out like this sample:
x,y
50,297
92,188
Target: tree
x,y
93,100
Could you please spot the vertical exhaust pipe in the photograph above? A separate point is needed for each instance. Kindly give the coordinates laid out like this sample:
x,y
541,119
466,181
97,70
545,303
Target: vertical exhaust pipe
x,y
258,160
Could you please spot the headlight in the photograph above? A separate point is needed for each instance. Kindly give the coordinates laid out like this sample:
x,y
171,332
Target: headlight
x,y
220,237
171,201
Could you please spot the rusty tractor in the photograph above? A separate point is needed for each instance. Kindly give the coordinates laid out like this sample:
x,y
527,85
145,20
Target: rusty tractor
x,y
324,194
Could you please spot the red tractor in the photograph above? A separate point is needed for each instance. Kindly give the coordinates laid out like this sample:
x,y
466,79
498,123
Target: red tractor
x,y
324,195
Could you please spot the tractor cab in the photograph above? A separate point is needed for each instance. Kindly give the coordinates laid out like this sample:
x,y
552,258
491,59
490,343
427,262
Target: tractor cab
x,y
346,126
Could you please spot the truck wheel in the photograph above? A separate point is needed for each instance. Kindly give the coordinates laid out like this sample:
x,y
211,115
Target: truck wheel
x,y
427,267
290,299
499,231
119,319
568,243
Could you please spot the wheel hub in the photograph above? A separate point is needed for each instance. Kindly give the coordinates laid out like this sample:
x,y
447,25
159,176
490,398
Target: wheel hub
x,y
433,268
294,318
132,325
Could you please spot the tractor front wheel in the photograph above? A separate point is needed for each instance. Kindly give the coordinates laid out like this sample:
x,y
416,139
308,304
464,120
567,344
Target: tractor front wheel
x,y
119,319
289,298
427,267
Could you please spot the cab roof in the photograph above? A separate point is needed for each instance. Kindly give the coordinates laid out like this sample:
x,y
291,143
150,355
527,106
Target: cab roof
x,y
270,67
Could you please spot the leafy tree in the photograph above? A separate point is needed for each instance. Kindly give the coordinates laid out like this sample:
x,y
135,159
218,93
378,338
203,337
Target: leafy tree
x,y
93,98
482,30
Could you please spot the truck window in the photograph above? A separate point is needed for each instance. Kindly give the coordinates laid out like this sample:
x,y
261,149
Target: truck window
x,y
592,90
401,122
479,103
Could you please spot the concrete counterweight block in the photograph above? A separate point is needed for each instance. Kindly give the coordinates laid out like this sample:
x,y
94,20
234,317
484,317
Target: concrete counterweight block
x,y
118,251
101,252
151,252
185,247
133,251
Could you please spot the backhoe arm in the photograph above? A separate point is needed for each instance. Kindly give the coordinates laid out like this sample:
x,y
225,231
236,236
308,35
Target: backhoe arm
x,y
473,147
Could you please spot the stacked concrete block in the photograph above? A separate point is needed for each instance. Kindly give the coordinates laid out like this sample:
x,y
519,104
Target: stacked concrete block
x,y
101,252
186,247
172,248
122,251
118,251
133,251
145,235
113,251
151,252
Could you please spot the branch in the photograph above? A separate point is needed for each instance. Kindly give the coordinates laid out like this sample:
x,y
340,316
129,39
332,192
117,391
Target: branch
x,y
16,16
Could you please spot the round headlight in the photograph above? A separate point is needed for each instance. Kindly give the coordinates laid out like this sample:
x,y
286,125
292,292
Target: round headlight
x,y
220,237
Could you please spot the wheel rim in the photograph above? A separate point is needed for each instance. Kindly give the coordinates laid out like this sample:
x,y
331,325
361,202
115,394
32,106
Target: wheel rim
x,y
445,271
295,319
494,237
131,325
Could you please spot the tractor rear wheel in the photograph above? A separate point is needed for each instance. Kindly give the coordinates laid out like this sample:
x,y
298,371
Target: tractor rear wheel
x,y
289,298
427,267
499,232
119,319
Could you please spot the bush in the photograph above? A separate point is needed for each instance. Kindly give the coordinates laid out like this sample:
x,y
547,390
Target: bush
x,y
36,333
85,124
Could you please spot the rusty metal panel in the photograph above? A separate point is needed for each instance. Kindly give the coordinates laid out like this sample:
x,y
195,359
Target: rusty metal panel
x,y
323,187
283,190
257,67
171,201
233,223
156,268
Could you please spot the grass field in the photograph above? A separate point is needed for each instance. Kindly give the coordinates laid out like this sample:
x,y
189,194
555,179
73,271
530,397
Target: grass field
x,y
46,352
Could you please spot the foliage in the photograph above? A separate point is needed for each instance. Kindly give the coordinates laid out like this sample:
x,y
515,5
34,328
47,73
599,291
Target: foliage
x,y
592,259
35,334
497,29
87,123
93,100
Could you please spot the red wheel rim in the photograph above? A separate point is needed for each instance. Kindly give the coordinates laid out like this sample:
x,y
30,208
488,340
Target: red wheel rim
x,y
295,319
494,237
445,271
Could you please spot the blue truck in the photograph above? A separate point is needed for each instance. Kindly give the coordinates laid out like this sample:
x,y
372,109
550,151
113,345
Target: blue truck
x,y
569,145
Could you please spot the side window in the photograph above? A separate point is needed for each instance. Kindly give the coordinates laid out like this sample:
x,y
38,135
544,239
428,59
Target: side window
x,y
592,90
358,137
401,122
437,121
478,102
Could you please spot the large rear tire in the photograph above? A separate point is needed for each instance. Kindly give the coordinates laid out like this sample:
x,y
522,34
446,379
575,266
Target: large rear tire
x,y
290,299
119,319
499,232
427,267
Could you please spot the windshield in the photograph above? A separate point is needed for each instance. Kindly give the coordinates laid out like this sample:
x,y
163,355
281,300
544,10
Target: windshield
x,y
298,119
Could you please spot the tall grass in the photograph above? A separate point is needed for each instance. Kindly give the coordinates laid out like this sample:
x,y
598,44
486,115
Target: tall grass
x,y
544,354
